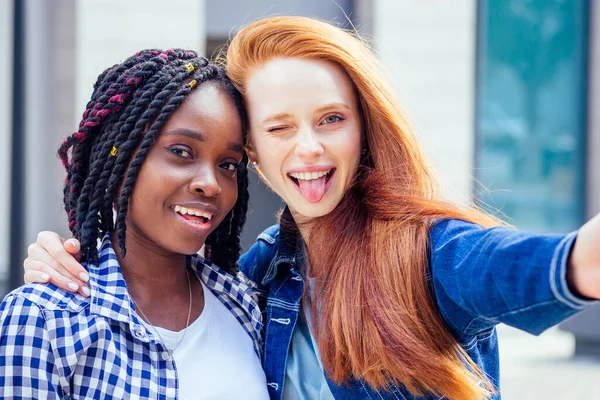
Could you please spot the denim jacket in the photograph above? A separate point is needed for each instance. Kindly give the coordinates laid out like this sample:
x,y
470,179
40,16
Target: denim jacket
x,y
481,277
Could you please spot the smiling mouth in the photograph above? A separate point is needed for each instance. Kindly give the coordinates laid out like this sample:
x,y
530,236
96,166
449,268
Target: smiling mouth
x,y
312,185
193,214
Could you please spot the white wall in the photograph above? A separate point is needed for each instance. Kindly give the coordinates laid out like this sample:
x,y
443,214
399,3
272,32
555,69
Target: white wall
x,y
49,23
6,37
69,43
109,31
429,49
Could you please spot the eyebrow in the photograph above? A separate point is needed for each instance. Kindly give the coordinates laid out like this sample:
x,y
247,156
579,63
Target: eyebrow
x,y
283,115
276,117
333,106
201,138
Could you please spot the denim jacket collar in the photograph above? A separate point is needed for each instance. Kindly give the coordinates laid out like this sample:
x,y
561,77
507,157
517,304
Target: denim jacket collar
x,y
285,258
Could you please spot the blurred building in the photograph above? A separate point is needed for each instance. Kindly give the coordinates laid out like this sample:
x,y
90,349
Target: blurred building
x,y
504,95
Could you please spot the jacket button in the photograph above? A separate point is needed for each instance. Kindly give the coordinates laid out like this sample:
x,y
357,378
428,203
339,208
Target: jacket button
x,y
140,334
165,355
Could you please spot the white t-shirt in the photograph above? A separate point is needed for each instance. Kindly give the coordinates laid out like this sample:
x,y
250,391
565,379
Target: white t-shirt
x,y
216,359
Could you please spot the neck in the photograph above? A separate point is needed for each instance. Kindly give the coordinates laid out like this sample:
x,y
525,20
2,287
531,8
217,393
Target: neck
x,y
150,272
303,223
158,283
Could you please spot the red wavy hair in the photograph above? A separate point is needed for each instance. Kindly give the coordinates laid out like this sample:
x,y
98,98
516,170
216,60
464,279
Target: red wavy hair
x,y
378,318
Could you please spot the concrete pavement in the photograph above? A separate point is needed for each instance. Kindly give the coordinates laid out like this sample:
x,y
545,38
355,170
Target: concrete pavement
x,y
543,367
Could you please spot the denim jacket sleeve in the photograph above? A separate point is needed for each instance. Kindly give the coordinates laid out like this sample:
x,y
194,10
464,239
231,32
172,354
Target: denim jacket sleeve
x,y
483,277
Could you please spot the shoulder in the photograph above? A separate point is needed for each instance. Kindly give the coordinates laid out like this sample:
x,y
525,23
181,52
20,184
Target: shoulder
x,y
269,235
255,262
461,234
46,296
444,228
36,309
444,233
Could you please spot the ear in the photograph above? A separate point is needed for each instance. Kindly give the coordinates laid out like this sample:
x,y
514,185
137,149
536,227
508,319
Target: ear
x,y
252,157
251,152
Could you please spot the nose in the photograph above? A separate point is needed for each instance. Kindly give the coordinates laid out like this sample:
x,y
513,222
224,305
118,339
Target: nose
x,y
309,144
205,183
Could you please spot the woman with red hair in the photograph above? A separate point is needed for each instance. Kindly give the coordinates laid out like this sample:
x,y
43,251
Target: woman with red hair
x,y
374,286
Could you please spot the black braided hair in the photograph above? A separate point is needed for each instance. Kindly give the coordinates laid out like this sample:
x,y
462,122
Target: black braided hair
x,y
128,108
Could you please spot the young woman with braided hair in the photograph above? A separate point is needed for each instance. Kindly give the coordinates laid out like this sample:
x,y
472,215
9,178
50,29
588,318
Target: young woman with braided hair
x,y
155,171
377,289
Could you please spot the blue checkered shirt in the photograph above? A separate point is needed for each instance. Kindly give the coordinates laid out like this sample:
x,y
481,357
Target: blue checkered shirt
x,y
60,345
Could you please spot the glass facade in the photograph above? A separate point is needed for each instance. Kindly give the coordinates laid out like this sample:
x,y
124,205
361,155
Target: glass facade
x,y
530,118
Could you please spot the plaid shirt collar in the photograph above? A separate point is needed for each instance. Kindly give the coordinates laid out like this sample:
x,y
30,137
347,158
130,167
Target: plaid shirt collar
x,y
110,298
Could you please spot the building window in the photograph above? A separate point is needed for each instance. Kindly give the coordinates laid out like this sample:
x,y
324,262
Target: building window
x,y
530,119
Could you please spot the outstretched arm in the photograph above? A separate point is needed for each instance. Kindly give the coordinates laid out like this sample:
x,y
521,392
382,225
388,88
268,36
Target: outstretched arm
x,y
483,277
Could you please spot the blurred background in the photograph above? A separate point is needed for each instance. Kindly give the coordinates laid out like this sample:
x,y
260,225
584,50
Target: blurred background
x,y
504,95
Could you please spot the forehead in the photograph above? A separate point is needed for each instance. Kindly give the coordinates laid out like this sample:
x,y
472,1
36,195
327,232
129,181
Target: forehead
x,y
293,82
208,108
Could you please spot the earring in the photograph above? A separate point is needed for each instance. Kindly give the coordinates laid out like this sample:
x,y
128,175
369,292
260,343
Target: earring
x,y
253,164
364,151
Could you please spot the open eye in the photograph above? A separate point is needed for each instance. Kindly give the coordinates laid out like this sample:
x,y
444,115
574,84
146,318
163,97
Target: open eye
x,y
181,151
333,118
231,166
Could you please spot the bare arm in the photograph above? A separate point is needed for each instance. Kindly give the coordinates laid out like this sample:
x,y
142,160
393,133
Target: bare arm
x,y
55,260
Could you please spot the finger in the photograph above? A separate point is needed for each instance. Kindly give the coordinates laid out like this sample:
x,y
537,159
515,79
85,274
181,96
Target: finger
x,y
52,244
38,271
39,255
73,247
35,276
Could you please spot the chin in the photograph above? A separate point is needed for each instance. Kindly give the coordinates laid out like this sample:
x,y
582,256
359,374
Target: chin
x,y
315,210
193,252
186,246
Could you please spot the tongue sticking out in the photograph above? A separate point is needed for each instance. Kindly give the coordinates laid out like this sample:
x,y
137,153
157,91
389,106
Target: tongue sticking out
x,y
314,189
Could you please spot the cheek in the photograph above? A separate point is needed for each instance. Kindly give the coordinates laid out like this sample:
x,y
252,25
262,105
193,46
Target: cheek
x,y
229,192
349,155
261,146
151,178
144,190
227,198
349,148
270,153
156,182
